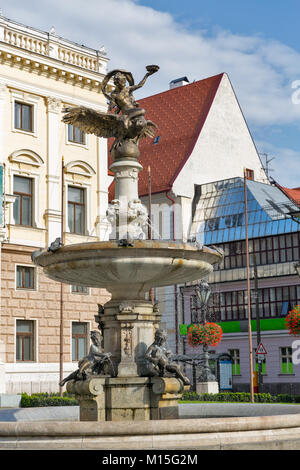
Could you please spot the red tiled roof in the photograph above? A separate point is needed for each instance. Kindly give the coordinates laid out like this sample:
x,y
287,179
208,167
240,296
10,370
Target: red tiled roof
x,y
180,114
293,194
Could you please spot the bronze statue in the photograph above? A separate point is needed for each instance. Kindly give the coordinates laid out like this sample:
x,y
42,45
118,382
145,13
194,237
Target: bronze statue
x,y
159,359
97,362
124,120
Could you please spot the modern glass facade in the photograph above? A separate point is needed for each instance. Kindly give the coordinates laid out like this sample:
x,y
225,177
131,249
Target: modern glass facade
x,y
219,215
274,238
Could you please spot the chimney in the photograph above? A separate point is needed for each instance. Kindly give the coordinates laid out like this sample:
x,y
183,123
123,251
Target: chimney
x,y
178,82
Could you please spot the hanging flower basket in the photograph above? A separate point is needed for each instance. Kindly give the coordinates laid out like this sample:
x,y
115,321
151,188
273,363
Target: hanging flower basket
x,y
292,321
209,333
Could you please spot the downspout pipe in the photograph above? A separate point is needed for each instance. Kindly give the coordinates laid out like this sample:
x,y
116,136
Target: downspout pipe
x,y
175,286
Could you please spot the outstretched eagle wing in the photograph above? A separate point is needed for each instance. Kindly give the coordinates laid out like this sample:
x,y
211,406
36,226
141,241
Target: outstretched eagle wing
x,y
94,122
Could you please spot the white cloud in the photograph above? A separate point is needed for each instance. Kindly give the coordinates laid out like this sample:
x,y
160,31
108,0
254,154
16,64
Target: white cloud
x,y
261,70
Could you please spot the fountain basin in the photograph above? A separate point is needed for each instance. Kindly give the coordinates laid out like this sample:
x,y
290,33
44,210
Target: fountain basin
x,y
128,272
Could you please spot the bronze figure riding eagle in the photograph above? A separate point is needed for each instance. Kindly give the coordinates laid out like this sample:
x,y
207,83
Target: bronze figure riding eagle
x,y
125,120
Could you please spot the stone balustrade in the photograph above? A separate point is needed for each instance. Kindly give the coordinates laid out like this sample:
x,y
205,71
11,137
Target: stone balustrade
x,y
50,45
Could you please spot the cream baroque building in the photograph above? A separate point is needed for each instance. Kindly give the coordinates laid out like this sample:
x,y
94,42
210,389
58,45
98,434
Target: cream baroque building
x,y
40,75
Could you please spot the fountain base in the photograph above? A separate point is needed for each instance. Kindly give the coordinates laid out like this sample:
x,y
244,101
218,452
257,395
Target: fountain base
x,y
128,398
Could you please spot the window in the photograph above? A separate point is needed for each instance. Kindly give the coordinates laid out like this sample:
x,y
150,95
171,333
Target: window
x,y
235,354
23,202
249,174
272,302
23,116
79,289
79,340
25,277
268,250
25,340
76,135
286,360
76,210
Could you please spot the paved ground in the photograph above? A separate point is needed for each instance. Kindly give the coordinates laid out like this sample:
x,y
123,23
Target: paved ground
x,y
195,410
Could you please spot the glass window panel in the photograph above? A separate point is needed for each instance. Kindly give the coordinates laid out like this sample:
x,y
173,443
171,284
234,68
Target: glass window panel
x,y
79,219
276,256
26,124
27,348
282,241
81,347
74,355
18,115
26,210
293,293
71,218
288,240
19,348
24,326
79,328
255,231
285,292
289,254
282,256
19,279
22,185
17,210
75,194
28,275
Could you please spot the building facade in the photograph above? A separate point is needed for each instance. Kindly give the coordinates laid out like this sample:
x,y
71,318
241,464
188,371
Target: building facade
x,y
52,172
202,135
274,248
193,170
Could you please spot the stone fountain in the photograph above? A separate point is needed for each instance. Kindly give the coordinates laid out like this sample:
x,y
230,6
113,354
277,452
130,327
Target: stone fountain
x,y
130,374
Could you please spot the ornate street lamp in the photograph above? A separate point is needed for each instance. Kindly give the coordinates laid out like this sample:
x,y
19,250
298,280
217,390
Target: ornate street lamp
x,y
203,291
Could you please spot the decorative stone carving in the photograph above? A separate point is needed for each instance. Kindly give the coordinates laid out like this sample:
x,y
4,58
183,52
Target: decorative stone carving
x,y
126,307
126,339
54,104
159,359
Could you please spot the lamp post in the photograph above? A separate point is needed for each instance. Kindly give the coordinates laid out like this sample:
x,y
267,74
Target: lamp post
x,y
203,292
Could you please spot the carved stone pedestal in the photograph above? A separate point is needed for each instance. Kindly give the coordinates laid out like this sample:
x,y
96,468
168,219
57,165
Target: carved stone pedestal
x,y
127,398
128,330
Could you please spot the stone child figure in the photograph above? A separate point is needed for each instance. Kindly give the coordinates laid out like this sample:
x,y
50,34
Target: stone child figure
x,y
159,359
94,363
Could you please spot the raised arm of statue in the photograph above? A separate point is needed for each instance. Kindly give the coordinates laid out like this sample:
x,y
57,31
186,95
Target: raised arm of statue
x,y
151,69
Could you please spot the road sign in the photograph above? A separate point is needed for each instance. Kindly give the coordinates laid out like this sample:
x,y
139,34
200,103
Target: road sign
x,y
260,349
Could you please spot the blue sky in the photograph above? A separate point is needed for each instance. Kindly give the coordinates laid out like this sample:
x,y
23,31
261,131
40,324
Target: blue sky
x,y
256,42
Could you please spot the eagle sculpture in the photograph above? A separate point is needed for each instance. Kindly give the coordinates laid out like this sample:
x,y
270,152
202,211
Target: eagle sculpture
x,y
125,120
